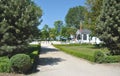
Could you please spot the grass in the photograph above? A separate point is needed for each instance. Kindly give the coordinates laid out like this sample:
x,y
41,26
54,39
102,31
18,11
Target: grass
x,y
85,51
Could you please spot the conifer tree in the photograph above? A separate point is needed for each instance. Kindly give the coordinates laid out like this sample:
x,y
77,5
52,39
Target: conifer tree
x,y
108,26
18,24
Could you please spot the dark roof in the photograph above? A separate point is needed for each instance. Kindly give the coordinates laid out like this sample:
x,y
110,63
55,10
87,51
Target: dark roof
x,y
83,31
86,31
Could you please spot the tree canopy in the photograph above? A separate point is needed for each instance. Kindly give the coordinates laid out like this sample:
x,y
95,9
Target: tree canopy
x,y
108,25
45,32
58,26
93,11
18,24
74,16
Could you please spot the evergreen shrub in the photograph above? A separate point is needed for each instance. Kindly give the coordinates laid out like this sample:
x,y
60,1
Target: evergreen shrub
x,y
20,63
5,65
99,56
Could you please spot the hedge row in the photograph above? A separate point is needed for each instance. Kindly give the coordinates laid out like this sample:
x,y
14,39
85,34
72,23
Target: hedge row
x,y
77,54
98,57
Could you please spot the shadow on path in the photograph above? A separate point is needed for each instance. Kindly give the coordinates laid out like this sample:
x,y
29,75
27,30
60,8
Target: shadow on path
x,y
45,50
49,61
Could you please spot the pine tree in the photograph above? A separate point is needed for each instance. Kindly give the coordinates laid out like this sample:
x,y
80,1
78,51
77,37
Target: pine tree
x,y
108,26
18,24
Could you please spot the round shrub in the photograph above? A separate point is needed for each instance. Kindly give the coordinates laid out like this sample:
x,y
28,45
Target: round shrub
x,y
99,56
5,65
20,63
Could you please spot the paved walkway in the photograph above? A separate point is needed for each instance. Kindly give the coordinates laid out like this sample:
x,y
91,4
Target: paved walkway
x,y
56,63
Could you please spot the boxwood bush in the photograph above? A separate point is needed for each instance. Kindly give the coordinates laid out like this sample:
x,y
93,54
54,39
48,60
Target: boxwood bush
x,y
112,59
20,63
99,56
5,65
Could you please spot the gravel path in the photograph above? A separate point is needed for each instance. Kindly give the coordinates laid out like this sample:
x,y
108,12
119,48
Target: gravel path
x,y
57,63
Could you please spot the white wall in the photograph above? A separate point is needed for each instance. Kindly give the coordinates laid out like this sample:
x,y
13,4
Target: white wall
x,y
85,41
95,40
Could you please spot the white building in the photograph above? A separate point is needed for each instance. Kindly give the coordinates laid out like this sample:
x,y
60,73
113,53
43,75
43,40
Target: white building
x,y
83,36
95,40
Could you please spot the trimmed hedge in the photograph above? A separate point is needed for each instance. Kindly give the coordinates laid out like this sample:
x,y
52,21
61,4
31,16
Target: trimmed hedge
x,y
112,59
77,54
20,63
98,56
5,65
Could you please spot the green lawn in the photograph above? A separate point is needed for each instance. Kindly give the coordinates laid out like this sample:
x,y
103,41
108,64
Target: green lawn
x,y
85,51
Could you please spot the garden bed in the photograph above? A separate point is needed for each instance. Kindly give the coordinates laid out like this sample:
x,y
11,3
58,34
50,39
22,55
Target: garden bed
x,y
16,63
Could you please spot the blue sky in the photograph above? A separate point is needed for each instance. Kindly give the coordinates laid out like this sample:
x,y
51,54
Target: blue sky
x,y
54,10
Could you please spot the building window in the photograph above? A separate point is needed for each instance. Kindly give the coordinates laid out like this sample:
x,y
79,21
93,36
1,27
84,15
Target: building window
x,y
84,37
78,37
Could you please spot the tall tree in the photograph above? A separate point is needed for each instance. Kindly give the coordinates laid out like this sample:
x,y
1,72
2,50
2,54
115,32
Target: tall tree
x,y
108,26
52,33
18,24
94,8
58,26
45,32
93,11
67,31
74,16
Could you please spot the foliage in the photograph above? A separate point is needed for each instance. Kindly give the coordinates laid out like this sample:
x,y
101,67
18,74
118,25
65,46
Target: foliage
x,y
20,63
109,22
93,11
99,56
8,65
52,33
45,32
58,27
67,31
5,65
18,24
34,51
74,16
89,52
94,8
78,51
112,59
35,58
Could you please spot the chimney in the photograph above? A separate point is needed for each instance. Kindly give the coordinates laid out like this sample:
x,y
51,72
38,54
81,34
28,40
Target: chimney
x,y
80,26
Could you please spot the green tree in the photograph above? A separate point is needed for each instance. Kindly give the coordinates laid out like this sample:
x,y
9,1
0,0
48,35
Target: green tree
x,y
74,16
94,8
67,31
18,24
45,32
52,33
108,26
93,11
58,27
